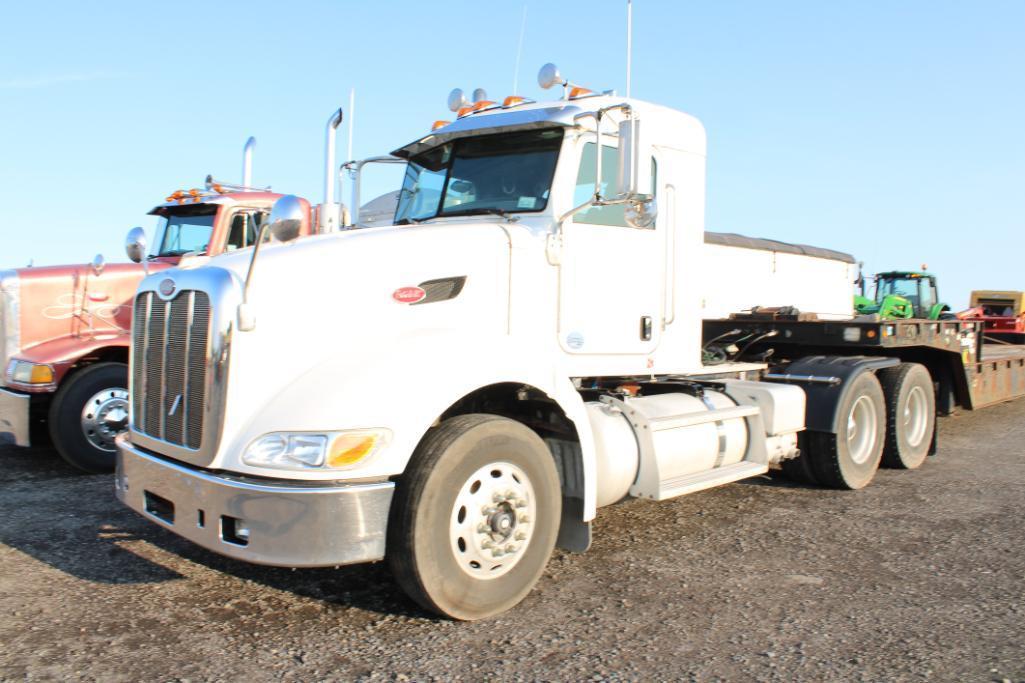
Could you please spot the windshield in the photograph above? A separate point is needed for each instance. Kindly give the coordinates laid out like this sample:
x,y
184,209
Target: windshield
x,y
184,234
504,173
904,287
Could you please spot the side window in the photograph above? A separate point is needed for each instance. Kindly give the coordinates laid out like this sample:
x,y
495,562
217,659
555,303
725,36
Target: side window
x,y
245,226
597,215
602,215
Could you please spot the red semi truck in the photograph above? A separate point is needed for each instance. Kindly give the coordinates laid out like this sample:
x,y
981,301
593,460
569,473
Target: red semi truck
x,y
65,330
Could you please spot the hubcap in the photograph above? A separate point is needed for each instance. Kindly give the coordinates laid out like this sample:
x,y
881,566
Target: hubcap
x,y
104,416
915,418
861,430
492,520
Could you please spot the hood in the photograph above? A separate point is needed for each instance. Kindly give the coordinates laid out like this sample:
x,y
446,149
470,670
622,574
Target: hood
x,y
40,305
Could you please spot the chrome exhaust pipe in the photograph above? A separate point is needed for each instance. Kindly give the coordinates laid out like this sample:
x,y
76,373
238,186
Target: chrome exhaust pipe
x,y
329,209
247,162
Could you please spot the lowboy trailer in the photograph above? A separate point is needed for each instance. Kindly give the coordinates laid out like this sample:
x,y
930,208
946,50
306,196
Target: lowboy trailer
x,y
461,390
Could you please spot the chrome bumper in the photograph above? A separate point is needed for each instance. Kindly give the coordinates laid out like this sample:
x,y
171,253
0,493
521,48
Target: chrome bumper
x,y
282,523
14,418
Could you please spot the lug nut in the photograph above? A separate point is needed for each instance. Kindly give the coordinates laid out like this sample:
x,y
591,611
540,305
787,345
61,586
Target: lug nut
x,y
525,519
521,503
510,548
496,498
487,544
497,552
483,528
520,536
487,510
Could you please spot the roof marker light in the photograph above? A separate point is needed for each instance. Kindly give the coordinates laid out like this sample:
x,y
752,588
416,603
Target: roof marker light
x,y
514,100
578,91
440,124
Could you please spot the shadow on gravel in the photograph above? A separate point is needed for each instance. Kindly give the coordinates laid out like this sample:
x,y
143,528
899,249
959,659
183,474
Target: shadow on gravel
x,y
774,479
368,587
72,522
69,520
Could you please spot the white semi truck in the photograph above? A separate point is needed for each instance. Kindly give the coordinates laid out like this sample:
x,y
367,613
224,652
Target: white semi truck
x,y
460,391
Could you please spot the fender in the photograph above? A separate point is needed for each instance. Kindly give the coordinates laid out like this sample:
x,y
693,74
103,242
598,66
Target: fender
x,y
366,389
64,352
823,400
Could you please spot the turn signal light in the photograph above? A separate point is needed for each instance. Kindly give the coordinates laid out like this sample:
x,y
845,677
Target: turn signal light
x,y
349,449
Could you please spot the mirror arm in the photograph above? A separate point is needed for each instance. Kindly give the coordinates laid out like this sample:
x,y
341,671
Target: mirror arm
x,y
264,230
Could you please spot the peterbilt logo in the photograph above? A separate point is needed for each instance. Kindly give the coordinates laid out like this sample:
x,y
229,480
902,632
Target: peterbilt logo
x,y
167,287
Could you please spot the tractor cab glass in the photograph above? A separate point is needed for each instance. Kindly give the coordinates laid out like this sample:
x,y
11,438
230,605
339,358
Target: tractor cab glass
x,y
929,297
502,173
903,287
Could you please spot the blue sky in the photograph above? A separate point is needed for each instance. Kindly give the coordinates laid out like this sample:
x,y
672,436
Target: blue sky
x,y
891,130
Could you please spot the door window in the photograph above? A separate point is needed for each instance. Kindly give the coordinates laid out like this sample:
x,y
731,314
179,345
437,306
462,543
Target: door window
x,y
245,226
615,214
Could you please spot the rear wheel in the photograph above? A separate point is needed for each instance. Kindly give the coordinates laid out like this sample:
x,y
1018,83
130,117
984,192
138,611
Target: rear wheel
x,y
849,459
910,415
88,411
475,517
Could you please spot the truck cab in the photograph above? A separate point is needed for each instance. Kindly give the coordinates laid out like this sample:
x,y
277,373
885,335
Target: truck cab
x,y
66,329
461,390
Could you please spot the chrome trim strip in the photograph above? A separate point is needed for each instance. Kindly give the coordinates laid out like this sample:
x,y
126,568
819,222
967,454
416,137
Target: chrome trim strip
x,y
10,319
163,369
186,380
289,524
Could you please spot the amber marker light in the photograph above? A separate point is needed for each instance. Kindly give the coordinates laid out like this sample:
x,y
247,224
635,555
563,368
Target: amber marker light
x,y
513,100
353,447
577,91
440,124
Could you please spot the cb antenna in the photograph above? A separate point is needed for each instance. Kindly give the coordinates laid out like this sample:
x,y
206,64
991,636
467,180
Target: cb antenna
x,y
629,41
519,51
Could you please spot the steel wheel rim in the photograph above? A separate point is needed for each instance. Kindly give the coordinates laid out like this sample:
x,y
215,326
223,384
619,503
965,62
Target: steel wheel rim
x,y
492,520
104,416
861,430
915,417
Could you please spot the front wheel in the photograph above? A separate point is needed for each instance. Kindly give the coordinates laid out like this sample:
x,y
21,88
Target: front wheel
x,y
89,410
475,517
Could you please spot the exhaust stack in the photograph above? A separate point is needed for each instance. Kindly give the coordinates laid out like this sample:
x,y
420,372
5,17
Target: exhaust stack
x,y
329,210
247,162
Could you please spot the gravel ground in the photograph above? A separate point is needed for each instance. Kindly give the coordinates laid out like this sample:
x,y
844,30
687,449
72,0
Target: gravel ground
x,y
918,577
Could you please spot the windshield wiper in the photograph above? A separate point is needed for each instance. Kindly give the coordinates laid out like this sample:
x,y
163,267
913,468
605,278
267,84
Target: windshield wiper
x,y
489,211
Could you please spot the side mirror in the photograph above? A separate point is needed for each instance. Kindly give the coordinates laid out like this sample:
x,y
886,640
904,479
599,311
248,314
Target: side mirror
x,y
97,264
286,219
641,214
634,179
135,245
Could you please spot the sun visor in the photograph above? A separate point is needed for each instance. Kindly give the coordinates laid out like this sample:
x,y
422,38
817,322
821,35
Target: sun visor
x,y
489,124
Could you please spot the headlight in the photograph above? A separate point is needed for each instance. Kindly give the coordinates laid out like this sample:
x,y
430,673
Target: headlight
x,y
24,372
302,451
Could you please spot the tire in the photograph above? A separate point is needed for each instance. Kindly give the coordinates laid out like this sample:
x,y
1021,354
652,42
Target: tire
x,y
440,525
84,437
849,459
799,469
910,415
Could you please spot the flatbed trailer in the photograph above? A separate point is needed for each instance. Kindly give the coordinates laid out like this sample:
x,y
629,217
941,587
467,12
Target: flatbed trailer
x,y
966,371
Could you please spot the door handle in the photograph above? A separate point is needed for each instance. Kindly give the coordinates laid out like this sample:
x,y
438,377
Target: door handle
x,y
645,328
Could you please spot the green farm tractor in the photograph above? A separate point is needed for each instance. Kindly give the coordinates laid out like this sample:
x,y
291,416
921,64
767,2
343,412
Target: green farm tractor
x,y
903,294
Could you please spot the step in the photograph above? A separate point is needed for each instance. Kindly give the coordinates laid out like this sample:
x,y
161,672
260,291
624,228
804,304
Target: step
x,y
690,483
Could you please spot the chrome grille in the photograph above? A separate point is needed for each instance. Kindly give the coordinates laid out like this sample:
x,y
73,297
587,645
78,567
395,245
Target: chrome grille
x,y
170,365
